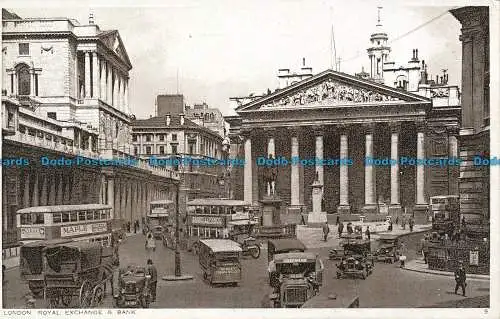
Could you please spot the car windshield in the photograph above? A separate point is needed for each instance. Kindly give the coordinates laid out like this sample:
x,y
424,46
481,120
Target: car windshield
x,y
295,268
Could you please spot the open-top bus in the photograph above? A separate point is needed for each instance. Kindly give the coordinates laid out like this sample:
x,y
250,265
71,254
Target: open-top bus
x,y
218,218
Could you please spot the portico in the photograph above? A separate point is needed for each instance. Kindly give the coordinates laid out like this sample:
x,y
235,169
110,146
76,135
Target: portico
x,y
334,116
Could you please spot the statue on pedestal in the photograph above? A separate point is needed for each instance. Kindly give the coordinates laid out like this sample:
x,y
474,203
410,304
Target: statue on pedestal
x,y
270,175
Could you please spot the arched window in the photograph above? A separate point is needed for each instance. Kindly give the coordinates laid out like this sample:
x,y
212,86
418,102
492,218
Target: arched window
x,y
23,79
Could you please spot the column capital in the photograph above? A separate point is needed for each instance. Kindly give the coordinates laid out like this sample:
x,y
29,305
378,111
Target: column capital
x,y
453,130
421,126
246,133
343,129
395,127
368,128
319,130
270,131
294,131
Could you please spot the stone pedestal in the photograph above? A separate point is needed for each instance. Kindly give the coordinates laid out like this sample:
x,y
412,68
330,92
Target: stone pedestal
x,y
370,209
421,214
395,210
344,209
271,208
316,218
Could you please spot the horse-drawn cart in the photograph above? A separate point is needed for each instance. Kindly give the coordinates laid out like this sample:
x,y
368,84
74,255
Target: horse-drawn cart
x,y
77,269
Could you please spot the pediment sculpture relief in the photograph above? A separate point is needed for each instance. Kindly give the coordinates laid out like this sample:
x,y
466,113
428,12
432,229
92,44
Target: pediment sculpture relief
x,y
330,92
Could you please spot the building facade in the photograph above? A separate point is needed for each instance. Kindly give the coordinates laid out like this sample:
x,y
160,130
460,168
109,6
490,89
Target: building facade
x,y
169,104
65,94
333,116
176,137
208,117
475,126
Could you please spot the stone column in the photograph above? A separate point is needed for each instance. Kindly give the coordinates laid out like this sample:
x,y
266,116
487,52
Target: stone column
x,y
32,84
95,76
35,191
395,207
103,91
26,196
109,84
111,194
247,170
43,194
127,107
59,200
67,191
118,199
420,180
344,206
116,105
87,74
271,152
129,201
318,131
453,173
370,190
52,195
295,174
119,100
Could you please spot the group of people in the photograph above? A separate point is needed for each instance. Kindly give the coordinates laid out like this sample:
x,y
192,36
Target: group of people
x,y
404,221
136,226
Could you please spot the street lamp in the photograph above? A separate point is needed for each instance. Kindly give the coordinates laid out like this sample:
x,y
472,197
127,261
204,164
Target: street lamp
x,y
177,272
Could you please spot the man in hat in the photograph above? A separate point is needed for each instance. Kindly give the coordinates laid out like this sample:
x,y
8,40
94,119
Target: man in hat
x,y
460,278
151,270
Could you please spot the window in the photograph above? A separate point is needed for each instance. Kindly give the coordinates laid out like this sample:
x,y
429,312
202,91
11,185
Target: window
x,y
52,115
97,215
148,138
162,150
90,216
148,150
81,216
65,217
134,138
135,150
73,217
24,49
103,214
10,120
24,79
174,149
191,148
161,137
56,218
174,137
26,219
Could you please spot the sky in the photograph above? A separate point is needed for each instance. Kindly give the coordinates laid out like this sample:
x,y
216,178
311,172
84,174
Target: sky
x,y
211,51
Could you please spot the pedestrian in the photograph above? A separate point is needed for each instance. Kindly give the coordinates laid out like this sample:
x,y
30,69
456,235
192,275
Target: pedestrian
x,y
338,220
402,256
128,227
349,228
326,230
397,220
460,278
3,274
302,220
403,222
425,248
341,229
463,223
150,243
411,223
390,226
367,232
151,271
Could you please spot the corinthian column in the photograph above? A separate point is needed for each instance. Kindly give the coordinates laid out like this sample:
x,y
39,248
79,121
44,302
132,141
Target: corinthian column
x,y
95,76
344,207
370,184
420,185
395,207
247,170
295,174
87,74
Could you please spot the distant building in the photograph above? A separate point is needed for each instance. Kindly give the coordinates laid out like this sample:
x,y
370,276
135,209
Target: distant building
x,y
206,116
475,125
171,137
172,104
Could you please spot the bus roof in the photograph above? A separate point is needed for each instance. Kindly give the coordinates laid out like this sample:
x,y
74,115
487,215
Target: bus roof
x,y
445,196
217,202
161,202
62,208
43,243
221,245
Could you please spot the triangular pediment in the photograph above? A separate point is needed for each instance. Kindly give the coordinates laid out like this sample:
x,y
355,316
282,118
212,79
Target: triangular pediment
x,y
112,41
330,89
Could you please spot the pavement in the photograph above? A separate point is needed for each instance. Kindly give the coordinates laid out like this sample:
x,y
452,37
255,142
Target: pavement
x,y
313,237
418,265
388,286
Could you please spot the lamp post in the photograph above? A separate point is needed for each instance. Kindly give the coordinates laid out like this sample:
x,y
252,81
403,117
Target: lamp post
x,y
177,272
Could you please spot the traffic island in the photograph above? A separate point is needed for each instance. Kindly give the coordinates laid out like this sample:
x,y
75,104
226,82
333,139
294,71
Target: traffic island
x,y
177,278
418,265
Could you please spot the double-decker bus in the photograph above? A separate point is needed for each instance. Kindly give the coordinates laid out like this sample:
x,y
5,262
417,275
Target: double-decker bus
x,y
217,218
445,214
42,226
161,213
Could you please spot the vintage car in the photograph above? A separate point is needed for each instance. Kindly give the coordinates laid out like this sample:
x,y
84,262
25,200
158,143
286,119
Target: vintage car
x,y
131,288
220,261
158,232
295,277
339,252
357,261
387,249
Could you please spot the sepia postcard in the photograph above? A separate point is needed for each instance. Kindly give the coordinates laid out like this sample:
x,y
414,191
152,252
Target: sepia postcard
x,y
226,158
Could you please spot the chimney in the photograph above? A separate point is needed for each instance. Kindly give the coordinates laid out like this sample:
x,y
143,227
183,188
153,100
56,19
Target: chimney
x,y
441,80
437,79
303,61
416,54
182,118
167,119
91,18
413,56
